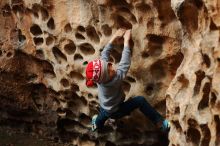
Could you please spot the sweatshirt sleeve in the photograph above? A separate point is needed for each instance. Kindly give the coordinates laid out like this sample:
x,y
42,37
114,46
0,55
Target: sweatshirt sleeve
x,y
106,52
124,63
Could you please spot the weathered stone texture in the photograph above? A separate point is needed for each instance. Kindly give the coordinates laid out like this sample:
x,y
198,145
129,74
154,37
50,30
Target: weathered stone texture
x,y
193,94
175,65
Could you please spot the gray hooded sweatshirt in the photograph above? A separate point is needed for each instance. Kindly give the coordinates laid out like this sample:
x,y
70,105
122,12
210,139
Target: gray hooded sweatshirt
x,y
111,94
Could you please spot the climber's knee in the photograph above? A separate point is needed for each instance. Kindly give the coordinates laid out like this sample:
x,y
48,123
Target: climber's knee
x,y
140,99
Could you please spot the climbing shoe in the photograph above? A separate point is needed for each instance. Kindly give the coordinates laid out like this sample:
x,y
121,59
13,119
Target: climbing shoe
x,y
165,127
94,126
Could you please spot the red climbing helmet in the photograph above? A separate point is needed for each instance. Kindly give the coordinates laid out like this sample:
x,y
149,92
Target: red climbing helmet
x,y
96,72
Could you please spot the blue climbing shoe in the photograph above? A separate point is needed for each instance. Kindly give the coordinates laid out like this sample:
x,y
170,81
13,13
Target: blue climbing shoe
x,y
94,126
165,127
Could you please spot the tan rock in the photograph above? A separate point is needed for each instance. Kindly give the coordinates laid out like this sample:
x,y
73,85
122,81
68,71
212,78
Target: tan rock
x,y
175,65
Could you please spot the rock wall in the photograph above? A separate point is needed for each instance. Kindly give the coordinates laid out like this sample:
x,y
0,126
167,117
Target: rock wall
x,y
175,58
193,95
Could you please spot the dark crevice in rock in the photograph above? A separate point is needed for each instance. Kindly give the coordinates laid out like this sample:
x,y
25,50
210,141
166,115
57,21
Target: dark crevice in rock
x,y
174,62
84,119
48,4
74,87
59,55
48,70
38,41
188,15
81,29
121,22
192,122
64,135
49,40
77,102
161,106
6,10
87,49
217,123
9,54
40,54
109,143
106,30
21,37
67,28
36,30
121,3
79,36
142,7
76,75
145,54
158,69
50,23
165,12
177,110
70,48
206,135
205,98
44,14
64,82
183,80
126,86
200,75
206,60
151,88
92,34
193,135
130,79
18,7
125,11
213,99
213,26
177,125
155,44
78,57
35,10
198,3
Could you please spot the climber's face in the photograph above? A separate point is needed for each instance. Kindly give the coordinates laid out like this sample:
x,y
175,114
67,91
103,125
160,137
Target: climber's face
x,y
111,71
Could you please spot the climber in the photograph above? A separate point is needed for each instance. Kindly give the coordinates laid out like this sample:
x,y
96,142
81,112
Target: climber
x,y
109,82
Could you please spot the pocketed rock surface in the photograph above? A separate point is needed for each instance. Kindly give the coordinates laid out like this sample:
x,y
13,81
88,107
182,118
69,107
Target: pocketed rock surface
x,y
44,45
